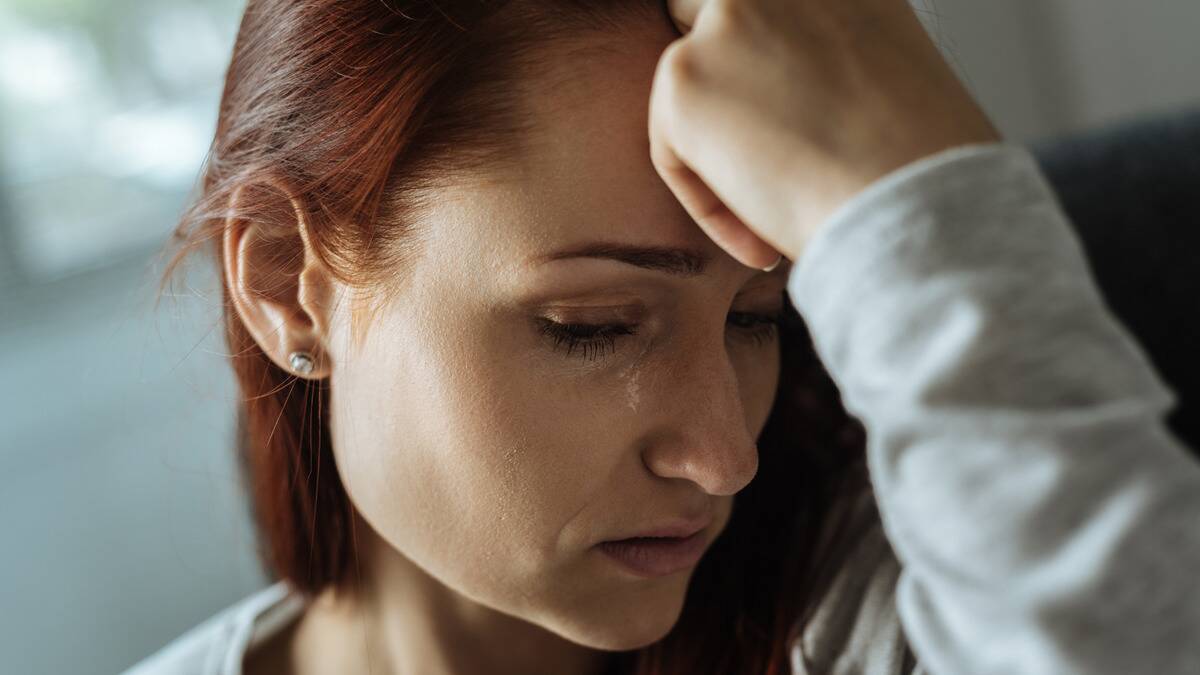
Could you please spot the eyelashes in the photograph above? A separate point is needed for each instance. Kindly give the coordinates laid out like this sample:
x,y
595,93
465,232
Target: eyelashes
x,y
594,340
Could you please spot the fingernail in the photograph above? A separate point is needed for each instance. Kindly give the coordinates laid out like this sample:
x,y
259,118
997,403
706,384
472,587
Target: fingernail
x,y
773,265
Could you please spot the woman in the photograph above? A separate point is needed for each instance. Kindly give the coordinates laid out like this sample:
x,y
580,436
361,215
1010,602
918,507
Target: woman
x,y
490,340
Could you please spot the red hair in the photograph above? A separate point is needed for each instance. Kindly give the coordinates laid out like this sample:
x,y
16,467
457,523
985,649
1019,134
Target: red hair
x,y
355,107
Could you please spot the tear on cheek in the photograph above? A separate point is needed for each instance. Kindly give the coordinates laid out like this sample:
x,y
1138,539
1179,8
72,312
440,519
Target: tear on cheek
x,y
629,375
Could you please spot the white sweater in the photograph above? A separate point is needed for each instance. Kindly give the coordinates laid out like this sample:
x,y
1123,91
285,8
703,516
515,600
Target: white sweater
x,y
1037,516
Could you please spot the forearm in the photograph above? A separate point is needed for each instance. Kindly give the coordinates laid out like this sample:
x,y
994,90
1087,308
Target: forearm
x,y
1046,519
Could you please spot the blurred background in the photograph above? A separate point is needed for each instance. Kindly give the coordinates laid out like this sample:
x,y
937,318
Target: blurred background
x,y
121,515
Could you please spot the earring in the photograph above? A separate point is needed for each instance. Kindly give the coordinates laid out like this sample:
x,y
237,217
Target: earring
x,y
302,362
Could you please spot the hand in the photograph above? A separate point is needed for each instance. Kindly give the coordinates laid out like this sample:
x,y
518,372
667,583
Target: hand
x,y
769,114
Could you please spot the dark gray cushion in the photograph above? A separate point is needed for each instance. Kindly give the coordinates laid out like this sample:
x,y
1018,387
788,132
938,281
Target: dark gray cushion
x,y
1132,192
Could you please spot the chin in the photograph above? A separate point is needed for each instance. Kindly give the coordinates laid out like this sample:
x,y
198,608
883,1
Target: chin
x,y
627,641
622,639
621,626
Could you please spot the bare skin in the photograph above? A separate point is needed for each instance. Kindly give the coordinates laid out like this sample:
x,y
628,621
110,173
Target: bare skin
x,y
769,114
484,461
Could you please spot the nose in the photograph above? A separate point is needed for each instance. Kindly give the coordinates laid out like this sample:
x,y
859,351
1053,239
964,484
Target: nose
x,y
703,434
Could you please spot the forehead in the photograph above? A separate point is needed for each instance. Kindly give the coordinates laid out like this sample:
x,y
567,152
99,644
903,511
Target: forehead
x,y
583,172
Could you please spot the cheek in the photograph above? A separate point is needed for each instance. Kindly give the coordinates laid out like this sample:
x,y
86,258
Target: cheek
x,y
548,450
462,459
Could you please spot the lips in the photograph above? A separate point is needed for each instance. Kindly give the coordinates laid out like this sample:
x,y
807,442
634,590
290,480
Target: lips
x,y
659,550
656,556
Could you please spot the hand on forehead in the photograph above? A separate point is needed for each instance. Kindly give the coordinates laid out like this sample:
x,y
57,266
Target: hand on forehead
x,y
683,12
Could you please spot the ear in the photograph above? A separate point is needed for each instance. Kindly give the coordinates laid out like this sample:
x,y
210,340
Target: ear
x,y
278,287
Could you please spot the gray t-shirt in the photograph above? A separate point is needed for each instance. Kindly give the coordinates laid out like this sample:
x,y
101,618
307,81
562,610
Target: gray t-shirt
x,y
1032,514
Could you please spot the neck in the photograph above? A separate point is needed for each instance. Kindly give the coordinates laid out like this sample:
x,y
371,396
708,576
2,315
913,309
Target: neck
x,y
394,618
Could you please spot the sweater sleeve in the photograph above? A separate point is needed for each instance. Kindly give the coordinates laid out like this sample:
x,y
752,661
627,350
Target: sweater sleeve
x,y
1046,520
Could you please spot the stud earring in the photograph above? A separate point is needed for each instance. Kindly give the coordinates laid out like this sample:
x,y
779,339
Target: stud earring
x,y
302,362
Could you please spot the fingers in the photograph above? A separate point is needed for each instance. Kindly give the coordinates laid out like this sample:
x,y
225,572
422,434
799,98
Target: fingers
x,y
708,210
710,213
718,222
683,13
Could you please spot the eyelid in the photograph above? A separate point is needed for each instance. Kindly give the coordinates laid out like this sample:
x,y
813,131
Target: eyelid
x,y
765,285
768,304
600,337
598,314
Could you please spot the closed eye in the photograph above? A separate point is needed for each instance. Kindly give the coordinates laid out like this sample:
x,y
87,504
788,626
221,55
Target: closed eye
x,y
595,340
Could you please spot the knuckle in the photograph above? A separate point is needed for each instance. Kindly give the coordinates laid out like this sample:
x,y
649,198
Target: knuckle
x,y
681,65
729,17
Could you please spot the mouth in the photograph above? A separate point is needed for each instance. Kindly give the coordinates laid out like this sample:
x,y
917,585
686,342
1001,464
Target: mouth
x,y
656,556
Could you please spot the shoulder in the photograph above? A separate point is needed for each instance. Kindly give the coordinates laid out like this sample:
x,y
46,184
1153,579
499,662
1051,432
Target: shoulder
x,y
217,646
855,628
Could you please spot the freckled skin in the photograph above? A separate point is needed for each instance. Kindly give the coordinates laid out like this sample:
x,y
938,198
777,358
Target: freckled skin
x,y
484,462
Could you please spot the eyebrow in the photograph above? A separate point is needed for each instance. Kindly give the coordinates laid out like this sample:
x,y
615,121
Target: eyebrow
x,y
675,261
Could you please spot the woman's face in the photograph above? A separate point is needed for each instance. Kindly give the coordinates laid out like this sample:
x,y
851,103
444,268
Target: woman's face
x,y
494,456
